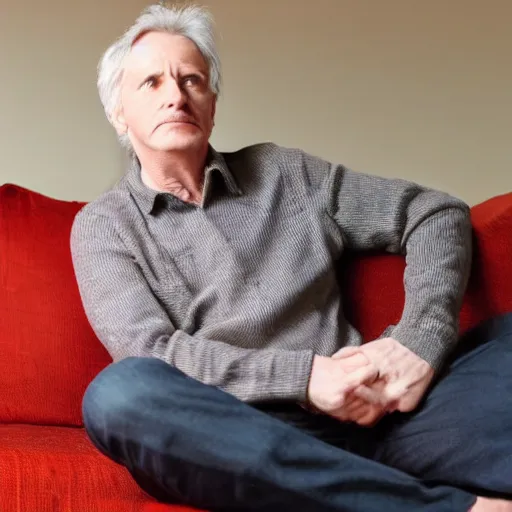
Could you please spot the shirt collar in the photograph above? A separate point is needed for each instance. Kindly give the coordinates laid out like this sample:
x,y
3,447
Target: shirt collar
x,y
146,197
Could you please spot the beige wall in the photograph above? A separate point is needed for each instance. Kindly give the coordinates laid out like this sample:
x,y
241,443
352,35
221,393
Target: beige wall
x,y
402,88
408,88
53,134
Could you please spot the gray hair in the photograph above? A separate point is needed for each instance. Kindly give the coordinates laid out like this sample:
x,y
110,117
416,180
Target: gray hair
x,y
191,21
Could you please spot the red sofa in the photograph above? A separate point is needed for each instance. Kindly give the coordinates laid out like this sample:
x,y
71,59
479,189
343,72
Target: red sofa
x,y
49,353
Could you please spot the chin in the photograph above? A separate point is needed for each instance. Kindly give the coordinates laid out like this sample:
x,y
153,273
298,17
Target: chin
x,y
179,144
178,141
192,145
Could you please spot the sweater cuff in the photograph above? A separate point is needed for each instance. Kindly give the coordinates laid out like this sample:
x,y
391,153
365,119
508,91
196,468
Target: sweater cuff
x,y
291,372
432,345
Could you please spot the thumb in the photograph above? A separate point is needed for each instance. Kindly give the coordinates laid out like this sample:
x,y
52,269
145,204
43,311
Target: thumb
x,y
346,352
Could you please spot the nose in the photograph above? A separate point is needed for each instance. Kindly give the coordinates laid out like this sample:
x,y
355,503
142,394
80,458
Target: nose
x,y
173,94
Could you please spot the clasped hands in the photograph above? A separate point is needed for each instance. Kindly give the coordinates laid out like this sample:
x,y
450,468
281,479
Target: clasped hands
x,y
362,384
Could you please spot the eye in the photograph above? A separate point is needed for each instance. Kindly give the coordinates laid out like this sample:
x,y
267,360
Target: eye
x,y
191,81
149,83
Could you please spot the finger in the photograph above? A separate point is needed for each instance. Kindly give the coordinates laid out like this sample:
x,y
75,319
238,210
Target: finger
x,y
393,406
353,400
363,413
370,417
368,373
371,396
346,352
357,402
354,405
409,401
349,364
394,391
350,399
389,397
359,413
344,414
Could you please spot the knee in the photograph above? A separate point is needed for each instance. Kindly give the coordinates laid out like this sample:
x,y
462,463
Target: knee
x,y
117,393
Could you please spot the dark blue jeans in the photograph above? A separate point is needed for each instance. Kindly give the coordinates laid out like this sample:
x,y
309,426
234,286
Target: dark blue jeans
x,y
185,442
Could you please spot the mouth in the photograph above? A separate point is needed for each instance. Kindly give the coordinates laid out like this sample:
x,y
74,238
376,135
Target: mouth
x,y
178,121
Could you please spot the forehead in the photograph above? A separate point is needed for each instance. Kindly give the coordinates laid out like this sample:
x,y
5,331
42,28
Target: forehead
x,y
161,49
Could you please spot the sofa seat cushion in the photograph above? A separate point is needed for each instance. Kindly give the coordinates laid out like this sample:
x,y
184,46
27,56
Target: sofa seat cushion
x,y
45,469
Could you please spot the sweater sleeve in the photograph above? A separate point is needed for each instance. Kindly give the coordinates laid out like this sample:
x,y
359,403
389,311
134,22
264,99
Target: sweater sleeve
x,y
130,321
431,228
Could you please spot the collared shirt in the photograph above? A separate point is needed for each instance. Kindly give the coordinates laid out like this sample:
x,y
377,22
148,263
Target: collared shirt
x,y
215,166
240,292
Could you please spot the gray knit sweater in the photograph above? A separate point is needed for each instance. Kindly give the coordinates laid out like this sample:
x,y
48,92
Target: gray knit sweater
x,y
240,292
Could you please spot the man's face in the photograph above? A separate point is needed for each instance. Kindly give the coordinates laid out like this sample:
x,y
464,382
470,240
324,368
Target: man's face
x,y
166,102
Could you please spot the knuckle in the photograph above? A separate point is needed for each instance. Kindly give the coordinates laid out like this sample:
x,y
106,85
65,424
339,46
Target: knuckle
x,y
366,421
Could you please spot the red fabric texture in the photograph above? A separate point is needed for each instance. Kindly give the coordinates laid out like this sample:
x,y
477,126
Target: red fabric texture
x,y
490,287
374,293
48,350
48,469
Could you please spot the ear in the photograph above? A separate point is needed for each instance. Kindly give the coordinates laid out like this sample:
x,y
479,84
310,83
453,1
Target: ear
x,y
119,122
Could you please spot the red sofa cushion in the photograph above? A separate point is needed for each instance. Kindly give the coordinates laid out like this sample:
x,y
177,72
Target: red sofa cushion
x,y
489,291
374,294
48,468
49,352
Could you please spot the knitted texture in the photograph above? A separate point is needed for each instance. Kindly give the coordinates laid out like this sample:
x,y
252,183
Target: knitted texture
x,y
241,291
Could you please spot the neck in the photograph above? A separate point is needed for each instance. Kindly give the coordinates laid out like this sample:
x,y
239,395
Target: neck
x,y
177,173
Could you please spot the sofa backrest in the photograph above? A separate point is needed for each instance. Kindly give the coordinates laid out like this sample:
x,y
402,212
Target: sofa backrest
x,y
49,352
373,290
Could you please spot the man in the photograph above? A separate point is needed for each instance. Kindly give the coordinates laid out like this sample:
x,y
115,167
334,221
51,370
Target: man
x,y
237,383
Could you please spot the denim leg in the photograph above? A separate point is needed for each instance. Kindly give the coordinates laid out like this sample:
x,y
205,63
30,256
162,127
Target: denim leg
x,y
203,447
462,434
347,436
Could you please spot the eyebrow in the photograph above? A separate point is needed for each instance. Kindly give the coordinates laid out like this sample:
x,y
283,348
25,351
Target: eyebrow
x,y
200,73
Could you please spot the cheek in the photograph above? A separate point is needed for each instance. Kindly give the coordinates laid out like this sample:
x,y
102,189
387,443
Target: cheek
x,y
205,110
140,111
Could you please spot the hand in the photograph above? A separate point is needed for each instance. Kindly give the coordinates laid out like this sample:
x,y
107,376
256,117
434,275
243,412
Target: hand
x,y
406,377
364,413
358,410
332,380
